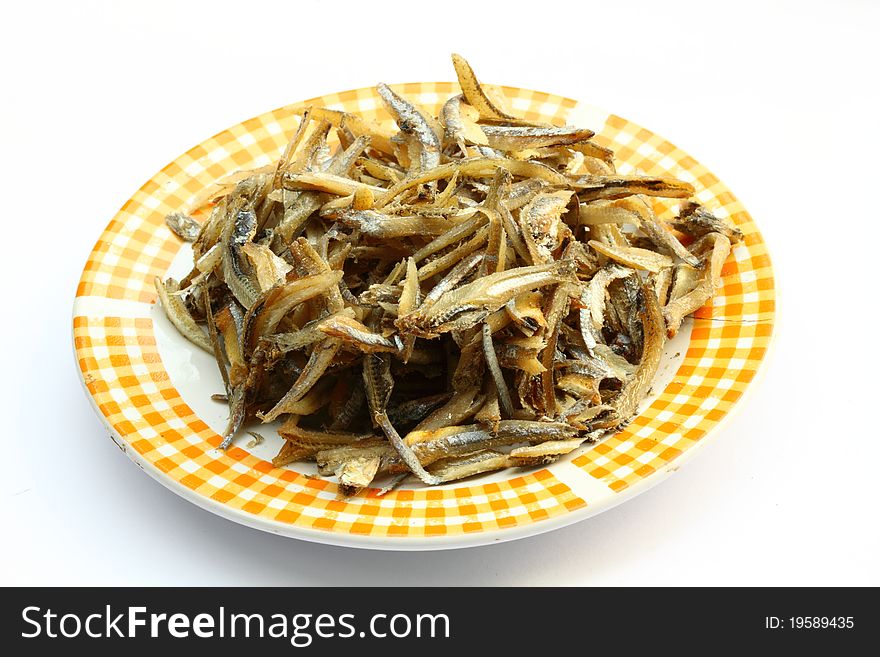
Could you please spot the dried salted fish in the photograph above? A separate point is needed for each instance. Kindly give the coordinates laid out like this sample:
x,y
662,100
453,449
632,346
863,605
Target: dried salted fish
x,y
696,221
177,312
184,226
471,303
460,123
514,138
413,123
710,279
462,294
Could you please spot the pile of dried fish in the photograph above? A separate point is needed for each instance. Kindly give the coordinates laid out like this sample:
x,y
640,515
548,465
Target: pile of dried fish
x,y
470,292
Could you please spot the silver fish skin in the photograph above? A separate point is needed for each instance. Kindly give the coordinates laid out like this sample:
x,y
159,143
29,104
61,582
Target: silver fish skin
x,y
184,226
244,226
520,138
485,295
697,221
414,124
451,116
177,313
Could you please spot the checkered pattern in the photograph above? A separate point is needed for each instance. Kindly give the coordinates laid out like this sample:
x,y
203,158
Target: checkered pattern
x,y
124,374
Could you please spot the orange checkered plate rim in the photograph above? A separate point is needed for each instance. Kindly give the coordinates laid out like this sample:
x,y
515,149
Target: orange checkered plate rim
x,y
152,389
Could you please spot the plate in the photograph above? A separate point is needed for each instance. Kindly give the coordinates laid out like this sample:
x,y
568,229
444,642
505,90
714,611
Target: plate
x,y
152,389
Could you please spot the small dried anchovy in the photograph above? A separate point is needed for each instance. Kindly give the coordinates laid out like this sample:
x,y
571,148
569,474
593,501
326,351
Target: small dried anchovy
x,y
467,293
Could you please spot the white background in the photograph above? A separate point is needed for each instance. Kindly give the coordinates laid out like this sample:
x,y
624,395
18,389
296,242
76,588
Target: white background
x,y
780,100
